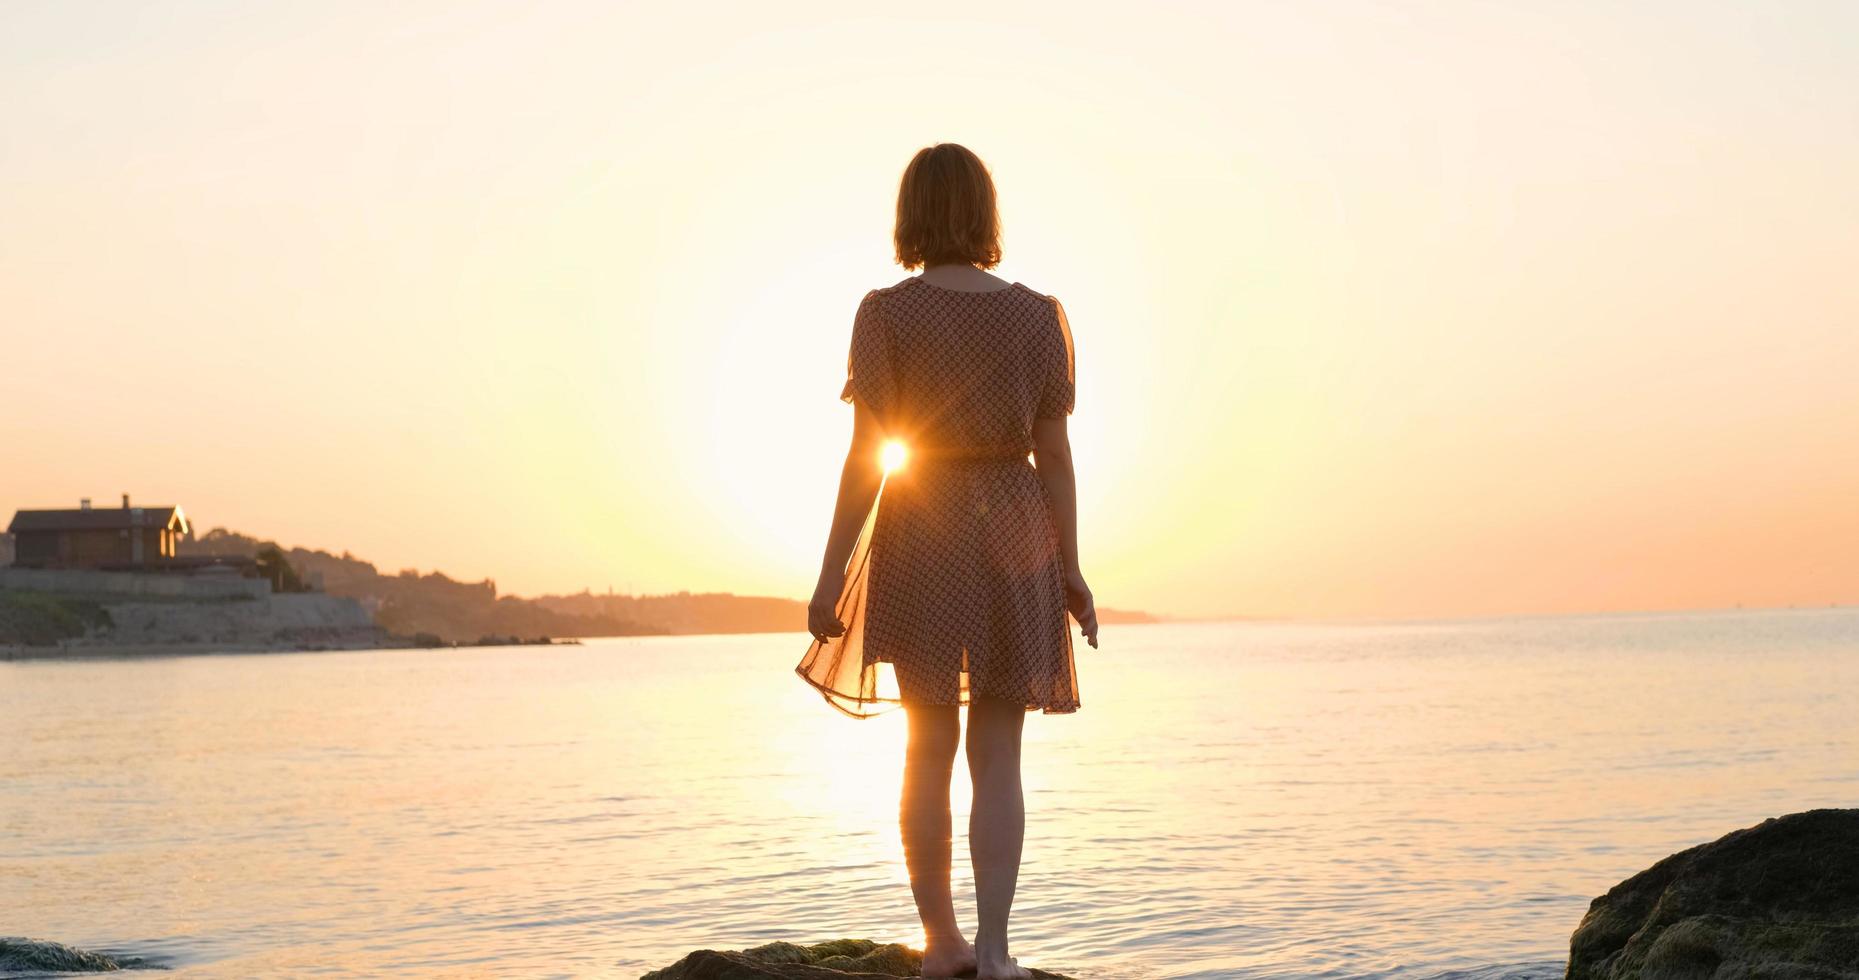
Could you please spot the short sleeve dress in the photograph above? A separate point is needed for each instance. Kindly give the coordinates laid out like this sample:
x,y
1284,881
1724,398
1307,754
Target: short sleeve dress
x,y
956,588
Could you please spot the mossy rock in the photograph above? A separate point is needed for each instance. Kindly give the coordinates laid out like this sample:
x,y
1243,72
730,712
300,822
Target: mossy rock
x,y
833,960
1777,901
21,955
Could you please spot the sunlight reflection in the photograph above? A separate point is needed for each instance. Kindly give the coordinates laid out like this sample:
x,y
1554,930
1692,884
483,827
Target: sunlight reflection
x,y
892,456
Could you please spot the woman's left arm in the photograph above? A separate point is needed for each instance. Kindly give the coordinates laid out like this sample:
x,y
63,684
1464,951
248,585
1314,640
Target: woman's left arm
x,y
859,480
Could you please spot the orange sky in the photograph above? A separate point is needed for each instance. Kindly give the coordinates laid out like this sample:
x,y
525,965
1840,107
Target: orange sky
x,y
1380,310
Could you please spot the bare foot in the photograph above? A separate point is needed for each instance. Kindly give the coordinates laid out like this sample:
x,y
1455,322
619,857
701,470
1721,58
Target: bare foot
x,y
1004,969
948,958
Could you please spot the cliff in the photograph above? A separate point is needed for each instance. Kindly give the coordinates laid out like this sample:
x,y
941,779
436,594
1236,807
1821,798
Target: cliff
x,y
34,622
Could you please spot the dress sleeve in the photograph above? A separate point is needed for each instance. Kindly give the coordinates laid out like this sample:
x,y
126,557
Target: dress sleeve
x,y
1061,384
868,367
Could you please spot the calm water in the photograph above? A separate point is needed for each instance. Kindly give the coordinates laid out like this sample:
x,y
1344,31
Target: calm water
x,y
1234,800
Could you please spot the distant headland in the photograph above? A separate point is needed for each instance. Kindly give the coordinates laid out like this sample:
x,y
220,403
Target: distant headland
x,y
49,598
410,602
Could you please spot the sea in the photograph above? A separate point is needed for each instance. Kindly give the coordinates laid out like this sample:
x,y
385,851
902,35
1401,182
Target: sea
x,y
1241,799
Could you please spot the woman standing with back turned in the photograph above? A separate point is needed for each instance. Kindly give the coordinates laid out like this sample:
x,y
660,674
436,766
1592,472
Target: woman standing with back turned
x,y
961,577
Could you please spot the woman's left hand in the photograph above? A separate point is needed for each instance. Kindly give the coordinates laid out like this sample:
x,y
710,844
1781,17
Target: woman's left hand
x,y
822,618
1083,608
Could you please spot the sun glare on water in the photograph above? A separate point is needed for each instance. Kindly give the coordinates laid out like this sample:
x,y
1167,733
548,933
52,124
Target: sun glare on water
x,y
892,456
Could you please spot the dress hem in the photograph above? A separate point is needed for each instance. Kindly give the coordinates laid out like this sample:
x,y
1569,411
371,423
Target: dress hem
x,y
839,702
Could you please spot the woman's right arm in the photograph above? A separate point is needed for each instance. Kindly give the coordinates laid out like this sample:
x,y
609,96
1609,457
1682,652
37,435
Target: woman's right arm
x,y
1052,454
859,480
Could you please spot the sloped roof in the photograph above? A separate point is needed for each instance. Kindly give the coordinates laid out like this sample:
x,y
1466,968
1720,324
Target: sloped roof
x,y
99,519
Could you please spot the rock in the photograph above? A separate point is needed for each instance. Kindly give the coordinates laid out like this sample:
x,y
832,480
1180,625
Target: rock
x,y
1777,901
21,955
836,960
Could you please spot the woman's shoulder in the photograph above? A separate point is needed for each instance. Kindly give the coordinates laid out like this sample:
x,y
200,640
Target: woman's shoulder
x,y
1035,294
916,283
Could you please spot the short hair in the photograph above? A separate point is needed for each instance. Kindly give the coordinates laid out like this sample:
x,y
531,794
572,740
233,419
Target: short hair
x,y
946,211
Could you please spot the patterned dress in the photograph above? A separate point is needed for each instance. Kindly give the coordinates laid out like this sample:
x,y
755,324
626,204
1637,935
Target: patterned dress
x,y
956,587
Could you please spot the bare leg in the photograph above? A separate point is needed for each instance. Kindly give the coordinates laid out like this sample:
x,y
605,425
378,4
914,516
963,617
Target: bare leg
x,y
996,828
923,817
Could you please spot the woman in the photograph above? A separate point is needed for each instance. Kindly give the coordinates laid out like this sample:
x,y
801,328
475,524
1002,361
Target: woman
x,y
961,578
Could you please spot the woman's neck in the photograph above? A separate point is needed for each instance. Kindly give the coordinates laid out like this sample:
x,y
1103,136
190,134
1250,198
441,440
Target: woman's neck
x,y
958,275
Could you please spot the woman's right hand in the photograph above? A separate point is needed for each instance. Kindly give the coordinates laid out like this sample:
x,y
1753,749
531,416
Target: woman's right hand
x,y
1078,602
822,618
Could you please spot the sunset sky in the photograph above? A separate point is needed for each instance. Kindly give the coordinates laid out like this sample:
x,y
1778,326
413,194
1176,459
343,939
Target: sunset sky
x,y
1416,309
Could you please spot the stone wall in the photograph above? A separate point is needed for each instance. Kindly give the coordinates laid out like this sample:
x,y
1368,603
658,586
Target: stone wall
x,y
80,581
279,619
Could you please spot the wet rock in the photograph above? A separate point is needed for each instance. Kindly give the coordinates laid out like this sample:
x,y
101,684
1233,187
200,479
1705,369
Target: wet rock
x,y
21,955
1777,901
834,960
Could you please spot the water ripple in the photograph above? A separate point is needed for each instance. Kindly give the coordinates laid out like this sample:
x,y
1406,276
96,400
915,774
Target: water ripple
x,y
1372,802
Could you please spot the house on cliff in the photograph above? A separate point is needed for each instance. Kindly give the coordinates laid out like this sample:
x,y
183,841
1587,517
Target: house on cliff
x,y
97,537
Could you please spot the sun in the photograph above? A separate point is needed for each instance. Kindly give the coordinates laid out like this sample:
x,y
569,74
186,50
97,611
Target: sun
x,y
892,455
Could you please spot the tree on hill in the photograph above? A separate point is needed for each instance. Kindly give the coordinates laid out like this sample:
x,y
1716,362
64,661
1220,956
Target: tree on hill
x,y
274,566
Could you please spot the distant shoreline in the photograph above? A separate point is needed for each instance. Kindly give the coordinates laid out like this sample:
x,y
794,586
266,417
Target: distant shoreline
x,y
145,651
1507,616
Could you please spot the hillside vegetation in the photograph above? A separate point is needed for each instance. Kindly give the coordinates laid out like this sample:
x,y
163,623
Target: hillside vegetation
x,y
41,619
409,602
